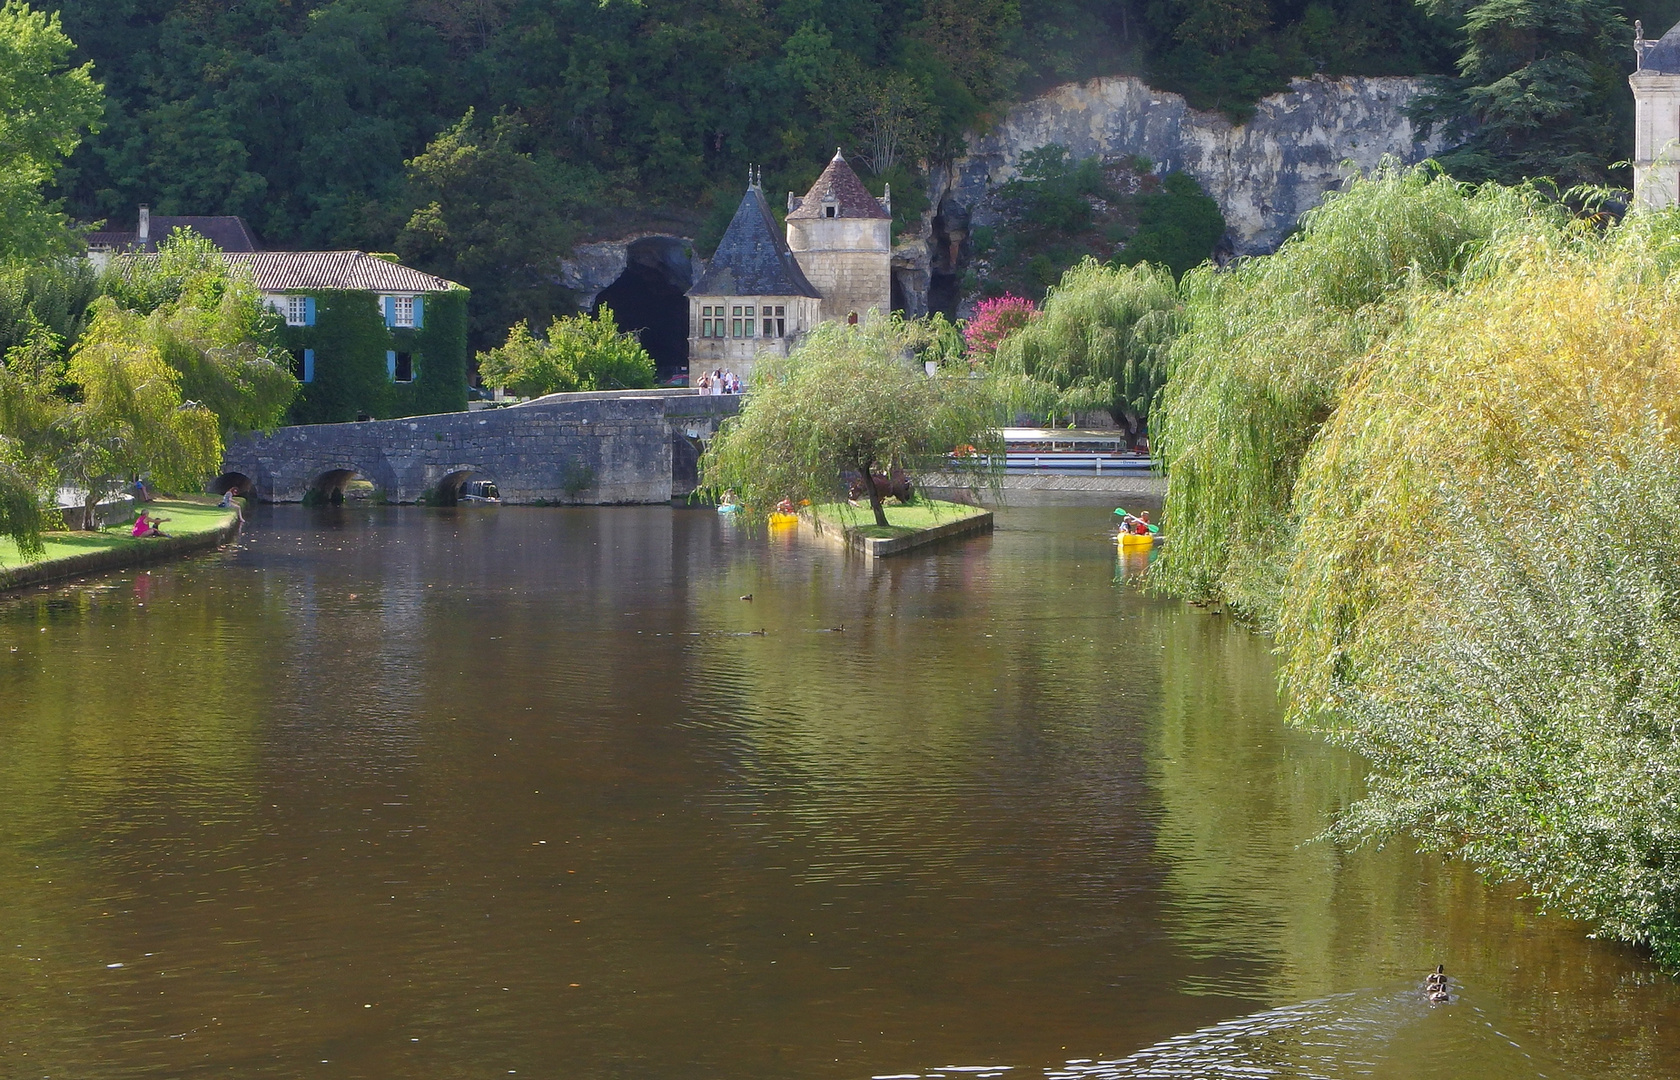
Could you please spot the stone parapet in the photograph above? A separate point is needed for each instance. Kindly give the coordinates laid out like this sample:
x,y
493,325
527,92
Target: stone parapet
x,y
592,448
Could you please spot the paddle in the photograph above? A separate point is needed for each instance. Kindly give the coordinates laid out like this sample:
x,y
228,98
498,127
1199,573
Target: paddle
x,y
1121,511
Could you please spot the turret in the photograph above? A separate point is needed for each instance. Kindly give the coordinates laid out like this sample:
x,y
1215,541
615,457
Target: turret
x,y
1656,118
842,237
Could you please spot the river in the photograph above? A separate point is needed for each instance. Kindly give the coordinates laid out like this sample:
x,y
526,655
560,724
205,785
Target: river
x,y
405,792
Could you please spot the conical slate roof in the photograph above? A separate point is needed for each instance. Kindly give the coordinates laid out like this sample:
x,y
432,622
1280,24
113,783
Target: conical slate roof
x,y
752,259
840,186
1663,58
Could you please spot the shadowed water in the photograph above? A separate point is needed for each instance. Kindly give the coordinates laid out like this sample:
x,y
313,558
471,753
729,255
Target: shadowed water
x,y
394,792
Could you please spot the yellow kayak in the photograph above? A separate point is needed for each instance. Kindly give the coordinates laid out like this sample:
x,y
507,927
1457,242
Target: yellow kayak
x,y
1136,541
783,520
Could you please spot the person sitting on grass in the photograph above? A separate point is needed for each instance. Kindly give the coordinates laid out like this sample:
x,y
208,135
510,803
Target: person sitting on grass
x,y
142,526
157,521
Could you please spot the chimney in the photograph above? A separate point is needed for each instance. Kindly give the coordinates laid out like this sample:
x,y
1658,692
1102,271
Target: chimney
x,y
145,223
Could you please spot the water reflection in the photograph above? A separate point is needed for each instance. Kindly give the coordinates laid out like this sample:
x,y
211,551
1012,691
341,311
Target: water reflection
x,y
435,793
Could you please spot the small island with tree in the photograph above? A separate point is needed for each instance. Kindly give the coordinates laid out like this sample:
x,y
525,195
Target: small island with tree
x,y
843,425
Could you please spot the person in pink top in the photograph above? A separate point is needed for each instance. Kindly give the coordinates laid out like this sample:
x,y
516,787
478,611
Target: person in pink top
x,y
142,527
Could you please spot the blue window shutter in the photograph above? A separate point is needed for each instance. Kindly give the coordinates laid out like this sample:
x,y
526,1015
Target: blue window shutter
x,y
390,311
391,364
419,312
309,311
309,363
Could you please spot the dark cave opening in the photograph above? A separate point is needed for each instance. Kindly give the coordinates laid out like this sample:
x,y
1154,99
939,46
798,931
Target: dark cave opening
x,y
650,298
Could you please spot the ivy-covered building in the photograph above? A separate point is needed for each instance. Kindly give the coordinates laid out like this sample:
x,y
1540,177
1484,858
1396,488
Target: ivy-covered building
x,y
370,338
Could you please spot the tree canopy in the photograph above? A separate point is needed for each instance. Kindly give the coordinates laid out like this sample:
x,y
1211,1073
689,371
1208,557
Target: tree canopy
x,y
476,138
1100,342
578,353
46,107
844,401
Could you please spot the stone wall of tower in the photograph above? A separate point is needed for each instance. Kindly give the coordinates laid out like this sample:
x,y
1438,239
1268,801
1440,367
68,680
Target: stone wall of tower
x,y
849,260
1656,138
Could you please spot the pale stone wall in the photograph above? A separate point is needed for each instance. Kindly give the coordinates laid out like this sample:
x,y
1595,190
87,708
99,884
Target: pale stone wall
x,y
1264,174
1656,138
849,260
740,354
632,446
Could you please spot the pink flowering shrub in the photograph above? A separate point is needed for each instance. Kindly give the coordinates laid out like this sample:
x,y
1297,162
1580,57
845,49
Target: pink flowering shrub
x,y
995,320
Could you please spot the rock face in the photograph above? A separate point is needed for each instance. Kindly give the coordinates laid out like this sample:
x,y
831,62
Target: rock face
x,y
1264,174
589,269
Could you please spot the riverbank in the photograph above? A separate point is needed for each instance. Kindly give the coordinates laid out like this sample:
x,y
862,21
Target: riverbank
x,y
194,524
907,527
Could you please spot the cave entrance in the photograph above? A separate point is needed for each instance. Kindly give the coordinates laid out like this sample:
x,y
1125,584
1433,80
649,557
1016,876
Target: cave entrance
x,y
651,299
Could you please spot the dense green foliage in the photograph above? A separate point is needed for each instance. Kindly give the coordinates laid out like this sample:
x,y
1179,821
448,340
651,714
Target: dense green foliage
x,y
1432,442
1264,354
577,353
476,137
1179,225
352,371
1099,342
46,106
143,372
206,322
844,401
1060,210
1539,85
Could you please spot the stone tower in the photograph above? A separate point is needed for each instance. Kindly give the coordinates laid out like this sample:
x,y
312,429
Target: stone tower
x,y
1656,118
753,297
842,237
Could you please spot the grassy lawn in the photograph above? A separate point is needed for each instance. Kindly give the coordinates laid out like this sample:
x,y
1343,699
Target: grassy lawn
x,y
902,520
187,516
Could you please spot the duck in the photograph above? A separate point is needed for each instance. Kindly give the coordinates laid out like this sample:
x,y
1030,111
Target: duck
x,y
747,597
1438,976
1440,993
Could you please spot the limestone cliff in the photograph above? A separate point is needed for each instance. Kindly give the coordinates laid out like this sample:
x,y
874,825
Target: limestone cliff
x,y
1264,173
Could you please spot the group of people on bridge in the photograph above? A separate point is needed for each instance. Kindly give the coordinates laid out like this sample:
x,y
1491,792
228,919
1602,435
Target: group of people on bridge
x,y
715,383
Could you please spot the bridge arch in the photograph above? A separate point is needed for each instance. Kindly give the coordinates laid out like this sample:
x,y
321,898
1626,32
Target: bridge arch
x,y
236,482
446,490
328,486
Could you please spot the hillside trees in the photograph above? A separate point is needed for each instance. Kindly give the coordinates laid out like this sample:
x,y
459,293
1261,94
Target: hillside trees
x,y
492,215
46,107
301,116
1539,84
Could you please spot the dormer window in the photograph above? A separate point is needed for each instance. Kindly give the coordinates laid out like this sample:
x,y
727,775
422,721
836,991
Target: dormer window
x,y
830,211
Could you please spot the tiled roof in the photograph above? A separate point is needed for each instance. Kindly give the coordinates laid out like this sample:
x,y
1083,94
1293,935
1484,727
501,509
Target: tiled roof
x,y
225,231
306,271
1663,58
753,259
839,184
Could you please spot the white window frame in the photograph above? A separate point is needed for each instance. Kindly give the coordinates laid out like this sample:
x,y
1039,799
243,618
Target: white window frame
x,y
402,311
297,310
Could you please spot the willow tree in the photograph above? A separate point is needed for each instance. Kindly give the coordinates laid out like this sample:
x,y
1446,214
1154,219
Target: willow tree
x,y
847,399
208,322
1099,342
128,419
1483,596
1264,356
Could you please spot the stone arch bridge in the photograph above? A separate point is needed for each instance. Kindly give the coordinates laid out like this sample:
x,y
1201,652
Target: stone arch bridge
x,y
623,446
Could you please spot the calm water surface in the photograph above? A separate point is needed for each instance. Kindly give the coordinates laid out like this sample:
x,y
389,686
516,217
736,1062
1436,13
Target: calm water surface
x,y
394,792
